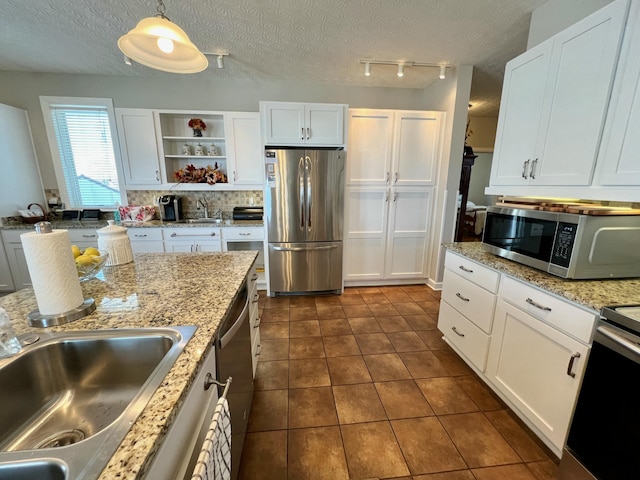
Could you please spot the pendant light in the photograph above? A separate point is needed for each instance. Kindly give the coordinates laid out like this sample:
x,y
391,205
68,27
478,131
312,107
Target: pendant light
x,y
158,43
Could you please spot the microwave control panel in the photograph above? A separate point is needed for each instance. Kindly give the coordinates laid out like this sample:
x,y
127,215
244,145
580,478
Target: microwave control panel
x,y
563,244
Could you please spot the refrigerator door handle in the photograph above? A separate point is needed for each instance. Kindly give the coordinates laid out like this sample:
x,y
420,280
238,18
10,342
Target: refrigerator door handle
x,y
307,163
301,188
304,249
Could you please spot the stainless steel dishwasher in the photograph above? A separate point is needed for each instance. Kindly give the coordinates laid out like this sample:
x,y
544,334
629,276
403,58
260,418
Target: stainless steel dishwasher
x,y
233,359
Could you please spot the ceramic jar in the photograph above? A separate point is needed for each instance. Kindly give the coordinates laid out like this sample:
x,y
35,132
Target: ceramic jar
x,y
199,149
114,239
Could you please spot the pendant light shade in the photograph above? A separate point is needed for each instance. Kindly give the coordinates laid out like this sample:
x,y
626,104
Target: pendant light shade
x,y
158,43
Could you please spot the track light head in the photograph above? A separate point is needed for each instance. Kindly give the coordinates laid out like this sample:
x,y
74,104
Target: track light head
x,y
220,61
443,72
367,69
127,60
401,69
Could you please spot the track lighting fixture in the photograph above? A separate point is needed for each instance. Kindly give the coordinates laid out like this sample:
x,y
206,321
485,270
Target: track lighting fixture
x,y
157,42
401,66
219,57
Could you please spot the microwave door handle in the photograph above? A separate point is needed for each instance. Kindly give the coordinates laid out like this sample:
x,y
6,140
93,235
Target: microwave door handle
x,y
301,187
307,162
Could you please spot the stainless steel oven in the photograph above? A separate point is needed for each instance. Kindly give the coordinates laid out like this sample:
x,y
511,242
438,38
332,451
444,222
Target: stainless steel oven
x,y
604,437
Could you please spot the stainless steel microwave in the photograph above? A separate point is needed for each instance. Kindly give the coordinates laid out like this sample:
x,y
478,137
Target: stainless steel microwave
x,y
565,244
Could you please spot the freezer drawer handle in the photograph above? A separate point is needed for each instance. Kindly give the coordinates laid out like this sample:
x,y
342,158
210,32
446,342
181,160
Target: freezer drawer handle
x,y
304,249
537,305
570,367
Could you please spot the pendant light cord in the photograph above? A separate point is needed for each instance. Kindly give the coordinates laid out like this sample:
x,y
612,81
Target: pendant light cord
x,y
161,9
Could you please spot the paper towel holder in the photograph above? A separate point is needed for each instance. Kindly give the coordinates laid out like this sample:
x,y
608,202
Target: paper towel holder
x,y
36,319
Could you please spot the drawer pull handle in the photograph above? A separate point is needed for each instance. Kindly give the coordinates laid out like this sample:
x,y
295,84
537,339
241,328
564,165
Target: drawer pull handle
x,y
570,366
464,299
455,330
88,236
259,350
257,324
537,305
175,235
464,269
245,234
137,235
254,277
255,298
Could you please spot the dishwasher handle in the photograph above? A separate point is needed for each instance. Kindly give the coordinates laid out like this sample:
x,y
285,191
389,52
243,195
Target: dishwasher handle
x,y
229,334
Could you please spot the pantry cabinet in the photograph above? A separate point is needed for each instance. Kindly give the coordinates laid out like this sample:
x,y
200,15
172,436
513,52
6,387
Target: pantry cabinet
x,y
310,124
138,147
387,232
554,102
392,165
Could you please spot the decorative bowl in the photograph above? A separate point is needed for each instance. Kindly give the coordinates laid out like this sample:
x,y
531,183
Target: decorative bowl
x,y
87,271
137,213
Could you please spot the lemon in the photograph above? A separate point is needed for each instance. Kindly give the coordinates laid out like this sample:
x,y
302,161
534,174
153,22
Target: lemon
x,y
94,252
76,251
84,260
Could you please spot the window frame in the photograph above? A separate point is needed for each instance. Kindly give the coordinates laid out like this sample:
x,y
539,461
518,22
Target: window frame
x,y
47,103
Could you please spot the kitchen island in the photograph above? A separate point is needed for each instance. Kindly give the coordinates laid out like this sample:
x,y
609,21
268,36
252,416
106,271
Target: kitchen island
x,y
156,290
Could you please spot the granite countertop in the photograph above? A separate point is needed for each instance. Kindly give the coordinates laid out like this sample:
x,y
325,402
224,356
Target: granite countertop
x,y
592,294
67,224
156,290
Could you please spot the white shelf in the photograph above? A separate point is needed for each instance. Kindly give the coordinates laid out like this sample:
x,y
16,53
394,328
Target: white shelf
x,y
198,157
193,139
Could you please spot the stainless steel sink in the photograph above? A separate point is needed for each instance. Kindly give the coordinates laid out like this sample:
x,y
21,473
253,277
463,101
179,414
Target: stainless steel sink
x,y
71,397
35,469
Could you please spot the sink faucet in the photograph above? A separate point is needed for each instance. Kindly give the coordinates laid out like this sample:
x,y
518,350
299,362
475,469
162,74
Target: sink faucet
x,y
203,202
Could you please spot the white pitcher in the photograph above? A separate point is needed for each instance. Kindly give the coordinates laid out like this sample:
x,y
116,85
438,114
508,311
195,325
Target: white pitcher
x,y
114,239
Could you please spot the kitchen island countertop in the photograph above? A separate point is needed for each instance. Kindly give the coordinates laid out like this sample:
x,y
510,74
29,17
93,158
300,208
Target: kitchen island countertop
x,y
592,294
156,290
73,224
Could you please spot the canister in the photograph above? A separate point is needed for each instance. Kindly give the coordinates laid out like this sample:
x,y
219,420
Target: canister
x,y
114,239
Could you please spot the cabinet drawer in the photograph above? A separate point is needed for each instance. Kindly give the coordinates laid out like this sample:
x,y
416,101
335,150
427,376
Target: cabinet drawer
x,y
559,313
145,234
469,339
472,301
83,235
243,233
192,234
478,274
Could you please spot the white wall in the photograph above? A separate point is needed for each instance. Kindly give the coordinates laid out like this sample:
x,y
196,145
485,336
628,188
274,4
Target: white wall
x,y
480,173
556,15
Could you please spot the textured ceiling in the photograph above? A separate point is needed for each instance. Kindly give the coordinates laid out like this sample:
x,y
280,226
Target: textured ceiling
x,y
317,41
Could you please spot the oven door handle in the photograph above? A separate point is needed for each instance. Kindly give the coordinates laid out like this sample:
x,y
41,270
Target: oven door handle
x,y
619,339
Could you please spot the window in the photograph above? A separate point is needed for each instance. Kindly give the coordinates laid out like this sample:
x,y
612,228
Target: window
x,y
81,137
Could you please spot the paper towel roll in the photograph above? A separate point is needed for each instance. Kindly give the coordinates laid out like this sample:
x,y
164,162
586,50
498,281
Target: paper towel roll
x,y
53,271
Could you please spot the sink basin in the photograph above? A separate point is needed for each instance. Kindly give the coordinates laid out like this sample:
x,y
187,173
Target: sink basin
x,y
73,396
201,220
29,470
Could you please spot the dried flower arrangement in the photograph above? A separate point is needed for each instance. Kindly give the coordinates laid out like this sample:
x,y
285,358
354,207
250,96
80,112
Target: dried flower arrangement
x,y
198,126
208,174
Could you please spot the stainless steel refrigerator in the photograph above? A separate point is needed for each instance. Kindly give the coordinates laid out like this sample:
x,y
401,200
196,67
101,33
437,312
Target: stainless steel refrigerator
x,y
304,203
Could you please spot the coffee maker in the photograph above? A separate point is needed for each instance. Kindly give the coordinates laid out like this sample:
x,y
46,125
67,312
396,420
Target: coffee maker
x,y
170,208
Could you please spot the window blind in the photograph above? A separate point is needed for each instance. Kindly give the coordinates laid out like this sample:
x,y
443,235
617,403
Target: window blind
x,y
86,152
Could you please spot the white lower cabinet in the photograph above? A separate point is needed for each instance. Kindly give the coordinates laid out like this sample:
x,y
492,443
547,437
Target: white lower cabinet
x,y
178,453
254,317
192,240
6,280
537,368
529,346
146,240
387,232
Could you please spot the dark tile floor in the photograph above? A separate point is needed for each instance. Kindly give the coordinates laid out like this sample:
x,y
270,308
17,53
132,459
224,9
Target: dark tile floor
x,y
361,386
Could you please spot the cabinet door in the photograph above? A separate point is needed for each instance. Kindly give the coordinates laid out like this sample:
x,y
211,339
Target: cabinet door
x,y
416,152
523,94
244,150
6,280
409,222
208,247
366,232
283,123
582,67
18,264
537,368
618,157
370,147
138,146
179,246
324,124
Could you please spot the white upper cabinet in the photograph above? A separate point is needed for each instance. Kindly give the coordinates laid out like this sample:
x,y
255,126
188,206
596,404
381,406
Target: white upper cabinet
x,y
554,102
138,146
313,124
244,151
388,147
618,159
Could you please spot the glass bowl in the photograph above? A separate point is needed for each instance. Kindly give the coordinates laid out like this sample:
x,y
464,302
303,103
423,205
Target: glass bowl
x,y
86,271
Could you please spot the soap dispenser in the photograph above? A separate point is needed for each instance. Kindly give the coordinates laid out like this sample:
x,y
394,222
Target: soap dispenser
x,y
114,239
